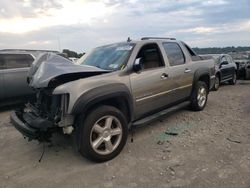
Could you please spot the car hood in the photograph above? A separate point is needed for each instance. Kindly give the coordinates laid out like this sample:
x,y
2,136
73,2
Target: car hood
x,y
51,70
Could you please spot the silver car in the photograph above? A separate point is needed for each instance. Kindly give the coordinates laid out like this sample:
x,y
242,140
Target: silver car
x,y
14,67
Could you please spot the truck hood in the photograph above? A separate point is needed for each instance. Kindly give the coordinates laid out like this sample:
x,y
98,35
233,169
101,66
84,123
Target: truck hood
x,y
51,70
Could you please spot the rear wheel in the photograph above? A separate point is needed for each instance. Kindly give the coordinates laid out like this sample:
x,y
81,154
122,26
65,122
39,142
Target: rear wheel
x,y
199,96
233,81
103,134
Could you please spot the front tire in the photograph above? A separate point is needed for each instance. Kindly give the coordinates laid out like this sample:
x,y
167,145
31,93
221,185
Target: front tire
x,y
104,133
216,83
234,79
199,96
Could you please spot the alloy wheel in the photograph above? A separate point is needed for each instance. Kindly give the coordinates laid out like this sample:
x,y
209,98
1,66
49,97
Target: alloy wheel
x,y
202,96
106,135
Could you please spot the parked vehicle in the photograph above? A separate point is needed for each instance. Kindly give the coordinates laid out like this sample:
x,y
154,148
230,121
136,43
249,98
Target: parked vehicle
x,y
116,87
14,67
226,70
243,69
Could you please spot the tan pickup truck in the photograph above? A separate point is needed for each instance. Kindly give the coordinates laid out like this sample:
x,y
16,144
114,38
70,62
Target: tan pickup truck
x,y
114,88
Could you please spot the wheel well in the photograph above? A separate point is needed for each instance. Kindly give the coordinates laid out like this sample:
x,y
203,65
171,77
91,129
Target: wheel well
x,y
205,78
120,103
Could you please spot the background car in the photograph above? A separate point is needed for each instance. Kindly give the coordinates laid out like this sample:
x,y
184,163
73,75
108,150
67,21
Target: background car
x,y
225,67
243,69
14,66
226,70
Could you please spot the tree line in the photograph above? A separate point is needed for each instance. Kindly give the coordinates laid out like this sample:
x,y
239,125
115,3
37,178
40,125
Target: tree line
x,y
70,53
217,50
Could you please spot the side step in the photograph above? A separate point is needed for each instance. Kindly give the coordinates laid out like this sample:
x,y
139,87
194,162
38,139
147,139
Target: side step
x,y
162,113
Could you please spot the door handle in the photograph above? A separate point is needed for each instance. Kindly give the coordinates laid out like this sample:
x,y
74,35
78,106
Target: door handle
x,y
187,71
164,76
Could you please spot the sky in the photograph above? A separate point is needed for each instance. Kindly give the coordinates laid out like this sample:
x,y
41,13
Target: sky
x,y
80,25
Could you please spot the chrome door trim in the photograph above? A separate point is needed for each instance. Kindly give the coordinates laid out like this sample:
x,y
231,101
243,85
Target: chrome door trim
x,y
162,93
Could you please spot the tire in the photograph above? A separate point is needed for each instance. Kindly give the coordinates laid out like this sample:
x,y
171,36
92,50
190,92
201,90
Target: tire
x,y
103,134
199,96
234,79
216,83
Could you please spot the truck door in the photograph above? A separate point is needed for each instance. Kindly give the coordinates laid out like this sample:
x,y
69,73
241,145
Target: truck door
x,y
15,75
180,71
150,86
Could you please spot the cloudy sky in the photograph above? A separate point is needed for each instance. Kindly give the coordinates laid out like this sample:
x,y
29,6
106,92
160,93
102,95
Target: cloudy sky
x,y
83,24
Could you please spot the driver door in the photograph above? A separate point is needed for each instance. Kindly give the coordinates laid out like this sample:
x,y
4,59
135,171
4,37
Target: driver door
x,y
150,86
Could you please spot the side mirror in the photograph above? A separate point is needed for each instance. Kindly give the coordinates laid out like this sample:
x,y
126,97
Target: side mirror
x,y
137,65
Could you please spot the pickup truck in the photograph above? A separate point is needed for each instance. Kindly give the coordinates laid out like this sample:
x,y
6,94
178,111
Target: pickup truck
x,y
115,87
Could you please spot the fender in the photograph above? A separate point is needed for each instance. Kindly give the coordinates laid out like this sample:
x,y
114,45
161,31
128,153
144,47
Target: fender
x,y
204,71
102,93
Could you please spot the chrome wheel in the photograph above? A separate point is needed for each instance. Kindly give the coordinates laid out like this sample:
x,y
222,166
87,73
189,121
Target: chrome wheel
x,y
202,96
106,135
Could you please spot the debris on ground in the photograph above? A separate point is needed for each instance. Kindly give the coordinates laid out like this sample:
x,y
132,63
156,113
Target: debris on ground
x,y
232,140
160,142
171,133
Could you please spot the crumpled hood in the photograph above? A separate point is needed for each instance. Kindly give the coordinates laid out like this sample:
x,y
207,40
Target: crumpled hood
x,y
49,66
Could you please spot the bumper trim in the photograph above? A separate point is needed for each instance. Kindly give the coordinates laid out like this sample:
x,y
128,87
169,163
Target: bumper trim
x,y
22,127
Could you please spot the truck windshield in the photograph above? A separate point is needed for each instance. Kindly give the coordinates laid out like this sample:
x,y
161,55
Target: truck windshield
x,y
110,57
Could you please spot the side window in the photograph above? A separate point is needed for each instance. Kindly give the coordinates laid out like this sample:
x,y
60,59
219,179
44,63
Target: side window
x,y
229,59
151,56
174,53
13,61
192,54
223,59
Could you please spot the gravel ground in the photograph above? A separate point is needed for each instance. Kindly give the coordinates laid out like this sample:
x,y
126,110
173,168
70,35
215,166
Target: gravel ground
x,y
208,149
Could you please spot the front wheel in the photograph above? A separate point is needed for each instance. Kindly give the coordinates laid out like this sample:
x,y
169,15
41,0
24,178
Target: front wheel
x,y
199,96
103,134
233,81
216,83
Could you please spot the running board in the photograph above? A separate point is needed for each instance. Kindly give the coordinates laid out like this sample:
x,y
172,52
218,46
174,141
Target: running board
x,y
162,113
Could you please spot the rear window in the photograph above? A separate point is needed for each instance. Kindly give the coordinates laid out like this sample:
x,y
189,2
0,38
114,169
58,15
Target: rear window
x,y
13,61
174,53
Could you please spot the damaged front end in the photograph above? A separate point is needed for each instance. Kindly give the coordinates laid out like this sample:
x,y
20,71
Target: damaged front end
x,y
46,116
49,113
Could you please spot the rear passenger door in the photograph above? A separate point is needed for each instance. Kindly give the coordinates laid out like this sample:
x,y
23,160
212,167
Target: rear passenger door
x,y
15,74
180,71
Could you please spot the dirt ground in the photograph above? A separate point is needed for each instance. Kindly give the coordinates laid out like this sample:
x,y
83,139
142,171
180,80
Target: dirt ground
x,y
209,149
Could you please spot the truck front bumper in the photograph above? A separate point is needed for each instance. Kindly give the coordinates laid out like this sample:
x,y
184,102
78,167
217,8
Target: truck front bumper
x,y
31,126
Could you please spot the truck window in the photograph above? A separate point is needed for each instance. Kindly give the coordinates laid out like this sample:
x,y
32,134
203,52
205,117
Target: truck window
x,y
151,56
13,61
192,54
174,53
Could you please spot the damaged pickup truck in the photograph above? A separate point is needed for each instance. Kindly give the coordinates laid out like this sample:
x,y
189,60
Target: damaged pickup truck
x,y
115,88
